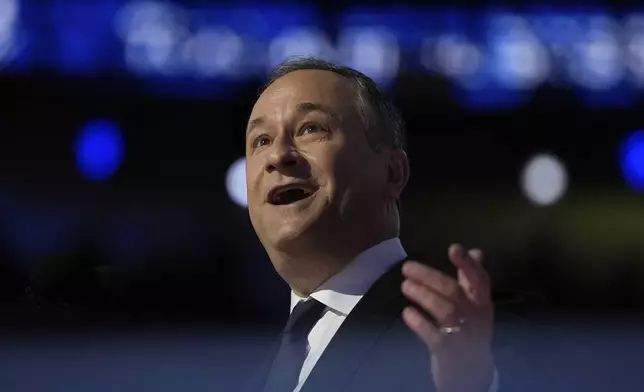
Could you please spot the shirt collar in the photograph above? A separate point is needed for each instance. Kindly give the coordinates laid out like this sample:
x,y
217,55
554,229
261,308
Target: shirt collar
x,y
343,291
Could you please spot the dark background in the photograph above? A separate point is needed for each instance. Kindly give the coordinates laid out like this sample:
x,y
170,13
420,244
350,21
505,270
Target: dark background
x,y
154,279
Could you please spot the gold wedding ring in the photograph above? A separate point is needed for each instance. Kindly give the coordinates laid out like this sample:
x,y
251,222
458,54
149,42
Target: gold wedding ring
x,y
453,328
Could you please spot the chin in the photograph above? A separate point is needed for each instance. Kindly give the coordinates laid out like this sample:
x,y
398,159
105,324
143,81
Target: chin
x,y
289,227
289,234
294,231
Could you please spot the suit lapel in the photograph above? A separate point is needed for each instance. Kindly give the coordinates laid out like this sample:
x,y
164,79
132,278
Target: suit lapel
x,y
361,330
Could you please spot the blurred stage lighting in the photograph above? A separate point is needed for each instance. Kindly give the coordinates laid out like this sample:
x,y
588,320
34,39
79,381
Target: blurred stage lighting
x,y
544,179
373,51
236,182
632,160
151,32
299,42
495,58
99,149
9,17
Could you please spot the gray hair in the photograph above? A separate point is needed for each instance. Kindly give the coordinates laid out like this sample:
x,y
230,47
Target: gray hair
x,y
382,121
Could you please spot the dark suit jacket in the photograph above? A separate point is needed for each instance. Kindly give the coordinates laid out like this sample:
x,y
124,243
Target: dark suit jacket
x,y
373,350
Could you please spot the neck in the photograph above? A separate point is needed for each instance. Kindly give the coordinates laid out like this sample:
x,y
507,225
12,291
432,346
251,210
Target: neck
x,y
309,265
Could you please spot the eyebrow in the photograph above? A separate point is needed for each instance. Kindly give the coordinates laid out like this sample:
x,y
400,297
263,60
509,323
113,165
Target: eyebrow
x,y
301,109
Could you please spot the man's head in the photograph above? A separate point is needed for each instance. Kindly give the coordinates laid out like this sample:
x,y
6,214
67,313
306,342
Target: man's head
x,y
325,164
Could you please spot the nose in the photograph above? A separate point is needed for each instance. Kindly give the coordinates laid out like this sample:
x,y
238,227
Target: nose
x,y
284,158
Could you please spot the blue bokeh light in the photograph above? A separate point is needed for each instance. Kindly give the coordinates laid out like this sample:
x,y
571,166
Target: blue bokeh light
x,y
632,160
99,149
495,57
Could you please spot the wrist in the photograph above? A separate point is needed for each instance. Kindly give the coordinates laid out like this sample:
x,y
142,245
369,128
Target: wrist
x,y
489,376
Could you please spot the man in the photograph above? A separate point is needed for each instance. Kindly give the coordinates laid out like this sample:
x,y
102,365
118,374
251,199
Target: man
x,y
325,167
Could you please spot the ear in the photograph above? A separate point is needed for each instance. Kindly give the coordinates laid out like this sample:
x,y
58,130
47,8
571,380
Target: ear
x,y
397,173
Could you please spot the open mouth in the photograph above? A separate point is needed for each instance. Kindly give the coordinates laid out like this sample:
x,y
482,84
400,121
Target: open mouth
x,y
289,194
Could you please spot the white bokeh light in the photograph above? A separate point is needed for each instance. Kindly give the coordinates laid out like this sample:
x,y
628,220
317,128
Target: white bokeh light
x,y
522,59
544,179
8,29
236,182
299,42
599,63
214,51
454,56
371,50
151,31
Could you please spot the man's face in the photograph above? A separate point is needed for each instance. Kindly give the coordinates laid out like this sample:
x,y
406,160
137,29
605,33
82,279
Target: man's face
x,y
309,168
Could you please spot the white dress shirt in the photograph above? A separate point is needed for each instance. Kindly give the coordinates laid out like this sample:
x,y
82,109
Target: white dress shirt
x,y
342,292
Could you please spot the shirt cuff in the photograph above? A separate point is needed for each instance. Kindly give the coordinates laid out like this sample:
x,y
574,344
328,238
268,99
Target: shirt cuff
x,y
495,382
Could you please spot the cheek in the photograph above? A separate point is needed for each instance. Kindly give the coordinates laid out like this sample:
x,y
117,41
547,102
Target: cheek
x,y
253,216
252,181
343,184
363,182
320,162
347,173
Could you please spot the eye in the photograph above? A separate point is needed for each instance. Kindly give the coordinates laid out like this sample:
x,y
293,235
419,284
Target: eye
x,y
261,141
310,128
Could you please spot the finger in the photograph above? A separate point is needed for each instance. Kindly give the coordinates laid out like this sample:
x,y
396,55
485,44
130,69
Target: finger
x,y
476,255
472,276
443,310
467,270
463,261
432,279
422,327
461,258
482,293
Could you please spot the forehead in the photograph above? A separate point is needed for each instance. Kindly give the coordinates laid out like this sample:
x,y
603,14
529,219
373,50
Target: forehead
x,y
316,86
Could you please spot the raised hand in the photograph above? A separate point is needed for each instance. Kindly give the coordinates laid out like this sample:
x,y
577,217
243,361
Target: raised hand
x,y
460,337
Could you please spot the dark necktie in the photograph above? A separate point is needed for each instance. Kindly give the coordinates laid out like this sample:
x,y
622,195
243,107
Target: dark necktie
x,y
287,365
